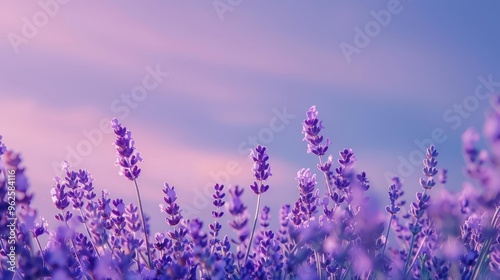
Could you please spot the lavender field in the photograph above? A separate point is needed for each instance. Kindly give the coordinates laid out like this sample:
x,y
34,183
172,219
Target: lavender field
x,y
234,139
331,231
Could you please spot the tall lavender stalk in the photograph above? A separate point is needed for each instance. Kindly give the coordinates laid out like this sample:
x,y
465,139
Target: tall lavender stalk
x,y
127,158
311,127
261,171
417,209
395,193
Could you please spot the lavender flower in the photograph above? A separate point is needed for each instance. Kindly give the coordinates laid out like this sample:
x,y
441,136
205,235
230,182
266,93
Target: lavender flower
x,y
284,224
127,159
60,199
343,172
443,176
261,169
311,128
238,210
127,156
215,227
418,208
264,222
395,192
429,169
3,148
40,228
270,255
306,205
172,209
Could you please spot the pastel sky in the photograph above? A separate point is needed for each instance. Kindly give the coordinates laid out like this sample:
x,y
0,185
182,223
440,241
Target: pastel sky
x,y
240,70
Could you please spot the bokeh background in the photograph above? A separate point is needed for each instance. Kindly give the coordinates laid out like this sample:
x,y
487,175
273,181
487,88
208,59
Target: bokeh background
x,y
241,72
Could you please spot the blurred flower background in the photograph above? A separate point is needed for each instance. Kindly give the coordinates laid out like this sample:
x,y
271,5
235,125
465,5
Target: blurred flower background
x,y
201,83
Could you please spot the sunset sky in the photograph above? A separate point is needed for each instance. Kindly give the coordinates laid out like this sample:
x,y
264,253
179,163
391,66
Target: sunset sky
x,y
198,82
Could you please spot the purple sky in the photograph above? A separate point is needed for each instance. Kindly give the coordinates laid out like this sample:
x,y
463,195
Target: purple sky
x,y
234,73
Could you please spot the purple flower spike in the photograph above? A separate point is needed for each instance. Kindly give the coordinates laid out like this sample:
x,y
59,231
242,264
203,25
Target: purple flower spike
x,y
429,169
306,205
3,148
127,156
443,176
261,169
40,228
218,202
172,209
59,195
363,181
306,181
395,193
311,127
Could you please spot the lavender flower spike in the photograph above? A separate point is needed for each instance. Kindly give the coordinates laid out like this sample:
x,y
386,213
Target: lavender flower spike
x,y
3,148
127,156
311,127
261,171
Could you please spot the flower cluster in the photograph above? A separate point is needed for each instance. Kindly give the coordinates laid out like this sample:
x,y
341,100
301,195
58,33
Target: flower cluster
x,y
338,234
305,207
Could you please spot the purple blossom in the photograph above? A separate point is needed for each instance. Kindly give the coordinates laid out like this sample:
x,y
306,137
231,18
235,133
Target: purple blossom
x,y
305,207
40,228
215,227
395,193
429,169
261,169
172,209
443,176
238,210
3,148
127,155
311,128
59,195
363,181
284,224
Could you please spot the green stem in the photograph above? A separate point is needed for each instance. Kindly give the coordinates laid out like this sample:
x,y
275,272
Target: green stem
x,y
253,229
387,234
40,249
410,251
138,261
143,223
416,254
318,264
347,272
